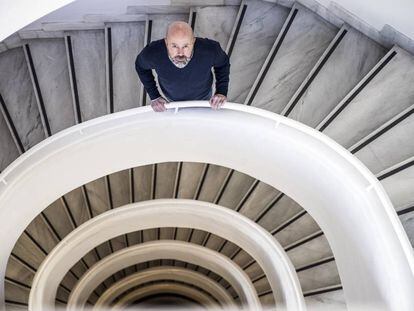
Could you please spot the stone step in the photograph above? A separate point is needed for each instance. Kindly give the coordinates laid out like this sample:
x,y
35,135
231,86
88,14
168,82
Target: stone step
x,y
261,22
8,150
127,39
344,63
215,22
50,65
89,67
400,187
394,135
381,95
16,89
333,300
297,49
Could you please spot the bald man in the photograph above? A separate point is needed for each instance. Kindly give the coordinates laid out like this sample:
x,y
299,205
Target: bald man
x,y
183,65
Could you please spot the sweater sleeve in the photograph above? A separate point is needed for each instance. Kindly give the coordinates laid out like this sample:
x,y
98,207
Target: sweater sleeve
x,y
143,68
221,71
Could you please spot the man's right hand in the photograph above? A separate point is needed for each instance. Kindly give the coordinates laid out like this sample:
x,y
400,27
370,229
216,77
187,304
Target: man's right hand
x,y
158,105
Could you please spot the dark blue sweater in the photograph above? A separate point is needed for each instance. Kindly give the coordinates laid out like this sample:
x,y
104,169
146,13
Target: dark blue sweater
x,y
194,81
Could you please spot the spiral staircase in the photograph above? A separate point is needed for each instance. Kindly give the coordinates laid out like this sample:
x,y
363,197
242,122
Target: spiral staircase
x,y
286,60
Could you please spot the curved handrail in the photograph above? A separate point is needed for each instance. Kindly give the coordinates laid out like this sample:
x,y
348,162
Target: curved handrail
x,y
361,205
161,213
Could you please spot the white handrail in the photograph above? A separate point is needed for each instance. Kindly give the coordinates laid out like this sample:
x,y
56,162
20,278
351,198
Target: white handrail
x,y
372,251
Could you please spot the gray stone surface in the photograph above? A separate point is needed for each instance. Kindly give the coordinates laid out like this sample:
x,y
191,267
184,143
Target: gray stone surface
x,y
305,41
18,272
8,150
299,229
89,60
351,60
377,156
51,66
400,188
327,301
190,176
127,41
309,252
282,211
407,221
262,195
215,23
16,293
237,188
262,286
386,95
319,276
17,91
143,192
267,300
259,29
166,175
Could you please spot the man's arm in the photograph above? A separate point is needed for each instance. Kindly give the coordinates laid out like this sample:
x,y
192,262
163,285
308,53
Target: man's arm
x,y
221,71
145,75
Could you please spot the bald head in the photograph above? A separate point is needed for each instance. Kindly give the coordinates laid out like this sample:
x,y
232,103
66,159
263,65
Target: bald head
x,y
180,42
179,29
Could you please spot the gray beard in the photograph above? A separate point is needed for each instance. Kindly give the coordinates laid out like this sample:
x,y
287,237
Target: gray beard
x,y
181,64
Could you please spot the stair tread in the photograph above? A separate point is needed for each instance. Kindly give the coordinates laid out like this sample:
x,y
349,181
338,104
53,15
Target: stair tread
x,y
215,23
351,60
127,40
17,91
89,62
377,156
305,41
386,95
400,188
51,67
8,150
260,26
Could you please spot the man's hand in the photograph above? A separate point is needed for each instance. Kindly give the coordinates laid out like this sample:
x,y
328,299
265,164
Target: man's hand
x,y
217,101
158,105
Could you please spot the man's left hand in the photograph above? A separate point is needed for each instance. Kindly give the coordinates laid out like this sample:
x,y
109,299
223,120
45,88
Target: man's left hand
x,y
217,101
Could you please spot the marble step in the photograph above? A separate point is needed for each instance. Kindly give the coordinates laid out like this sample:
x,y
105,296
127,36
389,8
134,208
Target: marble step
x,y
89,65
296,50
260,24
344,63
8,150
176,6
51,69
17,92
127,39
303,256
311,280
39,34
407,221
334,300
400,187
374,150
381,95
215,22
56,27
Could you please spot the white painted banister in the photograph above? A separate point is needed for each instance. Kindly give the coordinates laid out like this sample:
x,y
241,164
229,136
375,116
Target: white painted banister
x,y
372,252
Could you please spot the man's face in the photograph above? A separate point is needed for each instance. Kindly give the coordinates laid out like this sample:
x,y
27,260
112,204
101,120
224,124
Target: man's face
x,y
180,48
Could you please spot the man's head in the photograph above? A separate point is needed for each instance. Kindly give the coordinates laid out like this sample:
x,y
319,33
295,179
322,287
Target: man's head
x,y
180,43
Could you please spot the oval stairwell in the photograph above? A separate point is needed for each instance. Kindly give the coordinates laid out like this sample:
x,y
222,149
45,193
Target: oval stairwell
x,y
293,60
